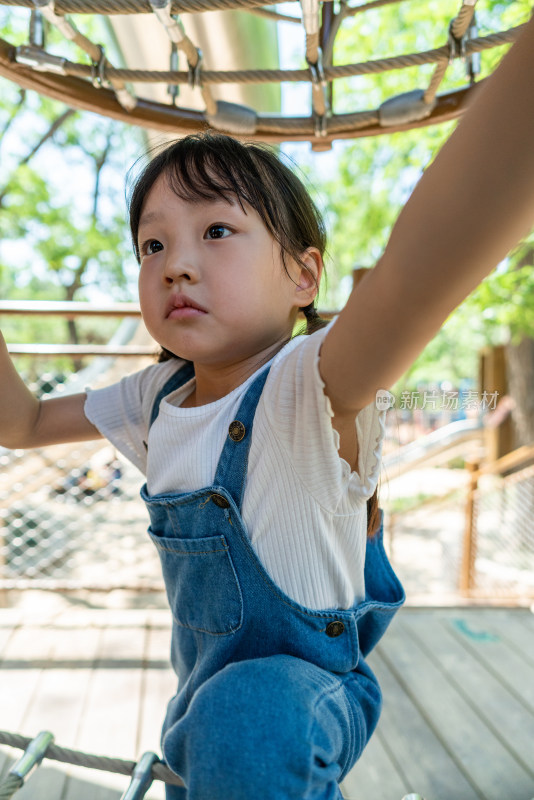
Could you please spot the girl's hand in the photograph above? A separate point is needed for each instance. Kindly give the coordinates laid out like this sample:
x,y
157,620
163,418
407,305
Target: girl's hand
x,y
27,422
470,208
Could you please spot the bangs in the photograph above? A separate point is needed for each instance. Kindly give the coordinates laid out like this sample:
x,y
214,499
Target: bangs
x,y
211,166
197,174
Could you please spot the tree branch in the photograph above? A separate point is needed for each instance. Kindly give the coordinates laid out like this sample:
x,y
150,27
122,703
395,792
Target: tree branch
x,y
16,108
100,161
58,122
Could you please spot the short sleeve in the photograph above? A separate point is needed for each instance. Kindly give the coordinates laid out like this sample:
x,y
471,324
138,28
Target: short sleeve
x,y
121,412
300,415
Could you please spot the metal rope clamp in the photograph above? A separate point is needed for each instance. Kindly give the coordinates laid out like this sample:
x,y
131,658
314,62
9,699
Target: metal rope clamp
x,y
98,71
173,90
37,29
456,45
472,61
321,125
141,777
33,755
194,79
319,83
30,56
458,49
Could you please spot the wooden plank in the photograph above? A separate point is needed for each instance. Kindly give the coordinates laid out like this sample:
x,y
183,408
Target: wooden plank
x,y
478,751
160,683
429,767
515,625
492,644
21,677
110,720
59,703
502,711
7,628
375,776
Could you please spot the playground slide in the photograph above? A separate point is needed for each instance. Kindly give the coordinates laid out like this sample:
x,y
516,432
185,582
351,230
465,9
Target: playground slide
x,y
459,438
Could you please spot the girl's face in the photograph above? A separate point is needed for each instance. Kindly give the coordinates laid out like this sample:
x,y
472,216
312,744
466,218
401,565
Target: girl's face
x,y
212,285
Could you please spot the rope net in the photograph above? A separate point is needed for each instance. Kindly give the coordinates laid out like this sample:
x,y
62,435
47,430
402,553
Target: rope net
x,y
101,87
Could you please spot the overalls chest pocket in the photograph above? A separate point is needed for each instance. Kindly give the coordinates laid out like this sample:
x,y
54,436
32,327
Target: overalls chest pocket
x,y
200,578
201,583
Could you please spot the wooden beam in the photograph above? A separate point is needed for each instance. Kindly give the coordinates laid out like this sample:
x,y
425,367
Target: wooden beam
x,y
69,310
79,93
79,351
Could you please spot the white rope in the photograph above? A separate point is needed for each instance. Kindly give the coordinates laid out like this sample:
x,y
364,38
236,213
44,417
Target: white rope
x,y
71,32
310,16
458,29
314,57
176,33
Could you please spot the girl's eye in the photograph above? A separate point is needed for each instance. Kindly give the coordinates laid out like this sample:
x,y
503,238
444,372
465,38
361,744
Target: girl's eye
x,y
218,232
150,247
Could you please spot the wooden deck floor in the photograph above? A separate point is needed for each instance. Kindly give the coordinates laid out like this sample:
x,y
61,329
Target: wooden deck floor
x,y
458,719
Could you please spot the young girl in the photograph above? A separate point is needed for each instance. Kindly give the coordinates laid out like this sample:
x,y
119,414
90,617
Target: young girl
x,y
262,451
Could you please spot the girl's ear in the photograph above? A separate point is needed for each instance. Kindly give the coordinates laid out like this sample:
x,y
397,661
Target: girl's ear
x,y
309,276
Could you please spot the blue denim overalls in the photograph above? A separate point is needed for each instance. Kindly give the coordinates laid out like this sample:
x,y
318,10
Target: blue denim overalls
x,y
275,700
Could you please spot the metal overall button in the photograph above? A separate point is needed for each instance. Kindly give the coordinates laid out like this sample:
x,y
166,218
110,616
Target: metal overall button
x,y
236,431
335,628
220,501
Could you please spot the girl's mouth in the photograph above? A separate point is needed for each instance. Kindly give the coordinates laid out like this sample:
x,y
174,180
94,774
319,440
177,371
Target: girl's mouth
x,y
185,312
181,306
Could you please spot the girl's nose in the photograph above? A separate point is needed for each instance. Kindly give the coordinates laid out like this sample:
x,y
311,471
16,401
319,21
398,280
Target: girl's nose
x,y
180,266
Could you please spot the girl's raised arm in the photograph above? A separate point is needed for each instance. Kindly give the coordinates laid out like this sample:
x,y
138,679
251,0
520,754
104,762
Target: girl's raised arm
x,y
27,422
469,209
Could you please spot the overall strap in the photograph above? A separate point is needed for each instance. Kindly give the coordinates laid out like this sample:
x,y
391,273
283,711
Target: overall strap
x,y
232,467
177,379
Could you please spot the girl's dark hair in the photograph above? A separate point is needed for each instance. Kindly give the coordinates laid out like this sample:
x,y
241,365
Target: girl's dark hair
x,y
207,166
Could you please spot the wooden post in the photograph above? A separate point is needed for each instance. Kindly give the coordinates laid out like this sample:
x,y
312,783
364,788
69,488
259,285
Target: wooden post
x,y
3,563
467,571
492,378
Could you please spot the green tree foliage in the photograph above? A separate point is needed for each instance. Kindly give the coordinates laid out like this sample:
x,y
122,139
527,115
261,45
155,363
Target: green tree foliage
x,y
63,229
372,179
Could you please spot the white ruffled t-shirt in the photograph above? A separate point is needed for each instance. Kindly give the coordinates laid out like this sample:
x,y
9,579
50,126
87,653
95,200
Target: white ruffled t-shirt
x,y
304,509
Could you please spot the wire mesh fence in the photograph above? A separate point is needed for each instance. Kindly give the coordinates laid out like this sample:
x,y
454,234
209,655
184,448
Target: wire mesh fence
x,y
438,554
504,535
71,517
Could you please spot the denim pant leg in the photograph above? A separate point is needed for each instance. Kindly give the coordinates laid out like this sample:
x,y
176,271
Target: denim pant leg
x,y
175,792
274,728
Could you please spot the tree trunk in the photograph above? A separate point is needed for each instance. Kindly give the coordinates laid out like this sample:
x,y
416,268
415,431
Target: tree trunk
x,y
72,327
520,375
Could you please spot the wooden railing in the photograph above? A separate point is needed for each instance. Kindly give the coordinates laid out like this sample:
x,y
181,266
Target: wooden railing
x,y
522,457
73,310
